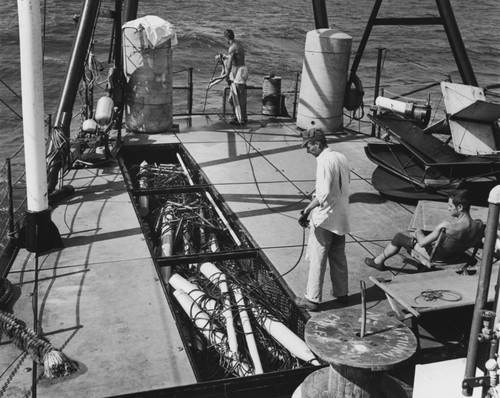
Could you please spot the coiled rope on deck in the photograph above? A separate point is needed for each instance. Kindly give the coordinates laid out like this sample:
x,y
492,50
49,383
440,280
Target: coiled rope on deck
x,y
55,363
430,295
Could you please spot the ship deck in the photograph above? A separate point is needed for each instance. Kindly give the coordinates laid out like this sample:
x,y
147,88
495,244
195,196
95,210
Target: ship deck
x,y
100,298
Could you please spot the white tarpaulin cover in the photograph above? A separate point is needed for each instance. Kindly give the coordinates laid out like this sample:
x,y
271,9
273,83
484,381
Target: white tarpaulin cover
x,y
150,37
155,30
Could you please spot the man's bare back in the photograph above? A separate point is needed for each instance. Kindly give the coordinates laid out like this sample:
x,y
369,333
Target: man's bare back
x,y
237,54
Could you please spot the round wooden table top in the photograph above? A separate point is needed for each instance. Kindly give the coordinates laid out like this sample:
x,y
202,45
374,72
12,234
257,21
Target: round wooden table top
x,y
334,336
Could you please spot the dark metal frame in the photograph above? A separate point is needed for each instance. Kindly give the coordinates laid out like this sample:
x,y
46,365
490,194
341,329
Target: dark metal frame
x,y
446,19
283,382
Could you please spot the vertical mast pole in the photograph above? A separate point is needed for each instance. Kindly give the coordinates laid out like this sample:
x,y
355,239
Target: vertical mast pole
x,y
41,234
130,10
490,236
32,99
320,15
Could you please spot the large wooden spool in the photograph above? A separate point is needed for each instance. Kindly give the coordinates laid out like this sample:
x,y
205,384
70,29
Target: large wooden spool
x,y
357,364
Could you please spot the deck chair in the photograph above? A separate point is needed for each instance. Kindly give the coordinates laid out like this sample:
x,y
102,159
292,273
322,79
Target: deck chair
x,y
448,251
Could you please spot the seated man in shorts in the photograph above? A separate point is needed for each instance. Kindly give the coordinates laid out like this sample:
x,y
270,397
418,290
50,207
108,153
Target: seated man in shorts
x,y
463,231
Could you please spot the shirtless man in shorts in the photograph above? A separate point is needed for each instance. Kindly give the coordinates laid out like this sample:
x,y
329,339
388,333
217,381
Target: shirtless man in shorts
x,y
236,72
463,229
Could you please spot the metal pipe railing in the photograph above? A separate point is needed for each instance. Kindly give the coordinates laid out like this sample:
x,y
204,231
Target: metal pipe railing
x,y
189,87
10,193
483,287
377,84
297,77
190,91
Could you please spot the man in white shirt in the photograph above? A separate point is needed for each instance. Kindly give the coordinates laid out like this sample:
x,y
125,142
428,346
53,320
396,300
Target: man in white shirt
x,y
329,222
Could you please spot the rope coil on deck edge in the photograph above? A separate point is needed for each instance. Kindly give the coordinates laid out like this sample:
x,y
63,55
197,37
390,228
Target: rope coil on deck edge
x,y
55,363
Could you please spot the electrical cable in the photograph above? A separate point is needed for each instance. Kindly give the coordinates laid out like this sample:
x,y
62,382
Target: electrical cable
x,y
206,91
431,295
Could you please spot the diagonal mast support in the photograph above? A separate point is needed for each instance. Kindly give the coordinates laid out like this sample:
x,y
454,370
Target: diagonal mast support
x,y
446,19
72,80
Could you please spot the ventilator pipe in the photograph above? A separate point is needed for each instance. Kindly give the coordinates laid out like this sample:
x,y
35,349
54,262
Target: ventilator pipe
x,y
212,202
247,329
215,276
203,323
483,285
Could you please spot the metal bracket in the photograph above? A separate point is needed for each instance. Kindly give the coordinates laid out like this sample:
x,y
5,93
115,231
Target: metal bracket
x,y
474,382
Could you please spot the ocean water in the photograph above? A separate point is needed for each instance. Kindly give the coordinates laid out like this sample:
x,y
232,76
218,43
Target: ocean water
x,y
273,34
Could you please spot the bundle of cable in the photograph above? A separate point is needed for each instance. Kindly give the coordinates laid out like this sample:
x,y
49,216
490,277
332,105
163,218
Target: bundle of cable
x,y
207,304
283,335
215,276
218,340
198,295
247,329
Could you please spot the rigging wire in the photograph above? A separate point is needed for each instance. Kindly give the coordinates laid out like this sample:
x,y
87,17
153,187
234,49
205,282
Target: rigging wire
x,y
10,89
44,30
11,109
418,64
305,196
250,145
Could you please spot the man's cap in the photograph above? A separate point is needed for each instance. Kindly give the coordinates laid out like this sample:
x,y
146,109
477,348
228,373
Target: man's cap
x,y
313,134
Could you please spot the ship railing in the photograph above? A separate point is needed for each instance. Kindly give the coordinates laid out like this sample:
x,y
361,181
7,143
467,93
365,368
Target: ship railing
x,y
291,83
12,207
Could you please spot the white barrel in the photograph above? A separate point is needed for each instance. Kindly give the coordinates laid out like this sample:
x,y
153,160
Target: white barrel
x,y
89,126
104,110
324,80
392,105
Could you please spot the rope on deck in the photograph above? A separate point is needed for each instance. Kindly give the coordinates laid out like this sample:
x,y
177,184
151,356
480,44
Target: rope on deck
x,y
55,363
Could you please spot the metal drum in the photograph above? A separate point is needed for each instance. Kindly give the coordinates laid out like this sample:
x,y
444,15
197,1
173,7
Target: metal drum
x,y
271,95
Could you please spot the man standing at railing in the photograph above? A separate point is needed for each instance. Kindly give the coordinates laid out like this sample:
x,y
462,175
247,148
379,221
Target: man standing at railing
x,y
236,74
